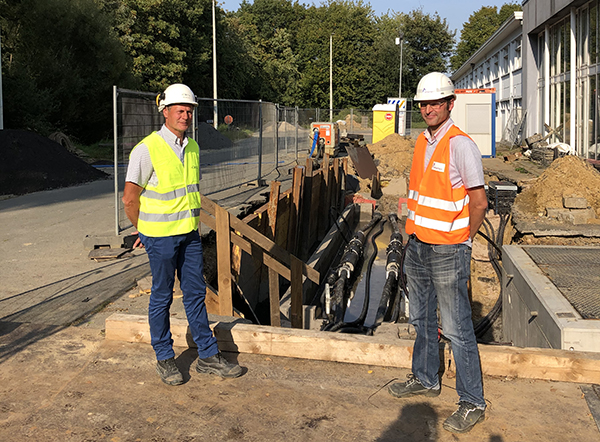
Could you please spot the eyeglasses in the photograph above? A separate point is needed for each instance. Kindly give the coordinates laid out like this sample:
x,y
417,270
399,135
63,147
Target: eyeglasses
x,y
433,104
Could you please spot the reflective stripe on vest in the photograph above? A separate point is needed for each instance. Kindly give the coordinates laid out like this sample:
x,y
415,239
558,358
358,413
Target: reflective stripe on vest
x,y
173,206
437,213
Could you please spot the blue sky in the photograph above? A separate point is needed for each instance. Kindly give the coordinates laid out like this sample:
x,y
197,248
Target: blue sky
x,y
455,12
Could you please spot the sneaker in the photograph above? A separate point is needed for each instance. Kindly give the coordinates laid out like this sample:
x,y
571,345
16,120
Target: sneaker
x,y
412,387
465,418
168,371
218,365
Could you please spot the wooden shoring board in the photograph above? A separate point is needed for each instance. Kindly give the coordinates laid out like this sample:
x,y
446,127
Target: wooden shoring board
x,y
315,215
272,206
242,229
304,233
294,222
529,363
335,188
274,310
296,292
224,261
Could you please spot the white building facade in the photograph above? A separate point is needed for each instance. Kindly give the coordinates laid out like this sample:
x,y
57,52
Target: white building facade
x,y
562,62
498,64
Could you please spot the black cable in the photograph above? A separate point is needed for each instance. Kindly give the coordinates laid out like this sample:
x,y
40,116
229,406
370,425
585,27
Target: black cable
x,y
493,246
365,307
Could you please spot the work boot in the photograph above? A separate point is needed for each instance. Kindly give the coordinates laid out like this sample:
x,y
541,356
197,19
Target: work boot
x,y
168,371
412,387
465,418
218,365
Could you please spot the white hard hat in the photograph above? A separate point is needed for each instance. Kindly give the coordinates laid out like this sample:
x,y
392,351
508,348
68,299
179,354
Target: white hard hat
x,y
434,86
175,94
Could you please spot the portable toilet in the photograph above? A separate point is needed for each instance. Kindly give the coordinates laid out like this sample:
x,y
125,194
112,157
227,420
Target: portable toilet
x,y
385,121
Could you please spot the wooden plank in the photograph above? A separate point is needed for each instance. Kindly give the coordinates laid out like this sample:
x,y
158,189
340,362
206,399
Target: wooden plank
x,y
303,236
530,363
315,216
274,298
270,247
262,241
224,261
335,188
272,207
295,210
296,293
329,182
205,218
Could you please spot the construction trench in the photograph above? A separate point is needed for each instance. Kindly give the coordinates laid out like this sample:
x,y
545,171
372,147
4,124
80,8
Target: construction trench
x,y
92,380
309,282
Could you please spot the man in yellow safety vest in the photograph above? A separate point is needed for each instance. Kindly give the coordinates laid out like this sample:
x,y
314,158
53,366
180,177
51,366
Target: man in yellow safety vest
x,y
446,206
162,200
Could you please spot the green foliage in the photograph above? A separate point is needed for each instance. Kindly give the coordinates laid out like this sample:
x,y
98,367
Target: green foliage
x,y
60,64
234,133
62,57
481,25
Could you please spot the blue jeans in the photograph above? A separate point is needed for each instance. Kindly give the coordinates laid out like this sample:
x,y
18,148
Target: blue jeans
x,y
181,254
438,275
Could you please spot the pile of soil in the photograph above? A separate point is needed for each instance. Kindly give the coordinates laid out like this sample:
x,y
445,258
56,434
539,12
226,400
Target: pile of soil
x,y
393,155
569,176
30,163
210,138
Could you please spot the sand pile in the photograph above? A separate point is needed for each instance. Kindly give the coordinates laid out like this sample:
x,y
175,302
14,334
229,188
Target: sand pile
x,y
569,176
393,155
284,126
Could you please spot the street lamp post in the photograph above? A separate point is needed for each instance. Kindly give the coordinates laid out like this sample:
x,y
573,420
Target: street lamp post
x,y
399,41
330,77
215,107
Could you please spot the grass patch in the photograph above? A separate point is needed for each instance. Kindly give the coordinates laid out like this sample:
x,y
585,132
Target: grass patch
x,y
102,150
234,133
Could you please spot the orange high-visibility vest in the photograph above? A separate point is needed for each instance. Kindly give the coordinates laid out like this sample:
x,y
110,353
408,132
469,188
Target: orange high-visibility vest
x,y
437,213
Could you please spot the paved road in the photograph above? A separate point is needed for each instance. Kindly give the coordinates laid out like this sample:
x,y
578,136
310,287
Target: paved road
x,y
46,274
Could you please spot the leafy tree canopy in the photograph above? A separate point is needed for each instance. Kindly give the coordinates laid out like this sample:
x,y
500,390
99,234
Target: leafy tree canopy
x,y
481,25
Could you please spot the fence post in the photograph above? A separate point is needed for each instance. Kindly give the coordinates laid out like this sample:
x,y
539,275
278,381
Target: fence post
x,y
116,159
260,141
296,124
277,110
352,120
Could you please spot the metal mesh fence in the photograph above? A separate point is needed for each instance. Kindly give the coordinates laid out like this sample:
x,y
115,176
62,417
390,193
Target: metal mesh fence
x,y
252,138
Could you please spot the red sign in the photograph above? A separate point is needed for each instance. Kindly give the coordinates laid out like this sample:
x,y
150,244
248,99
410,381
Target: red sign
x,y
389,116
228,119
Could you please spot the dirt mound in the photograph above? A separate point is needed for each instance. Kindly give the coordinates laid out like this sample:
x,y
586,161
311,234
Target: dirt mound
x,y
393,155
30,163
569,176
284,126
211,138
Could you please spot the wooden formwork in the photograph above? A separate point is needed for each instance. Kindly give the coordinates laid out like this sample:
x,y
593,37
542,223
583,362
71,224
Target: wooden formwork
x,y
266,251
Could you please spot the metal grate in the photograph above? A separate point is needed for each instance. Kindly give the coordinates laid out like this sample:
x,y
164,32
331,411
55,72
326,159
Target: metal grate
x,y
575,272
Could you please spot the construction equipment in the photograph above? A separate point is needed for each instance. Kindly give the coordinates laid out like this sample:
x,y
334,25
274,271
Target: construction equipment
x,y
327,140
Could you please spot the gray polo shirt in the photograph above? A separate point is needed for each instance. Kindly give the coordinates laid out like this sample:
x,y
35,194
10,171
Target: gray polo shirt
x,y
140,170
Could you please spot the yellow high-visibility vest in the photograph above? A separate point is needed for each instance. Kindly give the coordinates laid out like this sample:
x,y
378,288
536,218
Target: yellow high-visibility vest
x,y
173,206
437,213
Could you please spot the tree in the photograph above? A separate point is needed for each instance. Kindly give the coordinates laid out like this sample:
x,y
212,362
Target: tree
x,y
427,45
481,25
353,34
60,64
268,28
